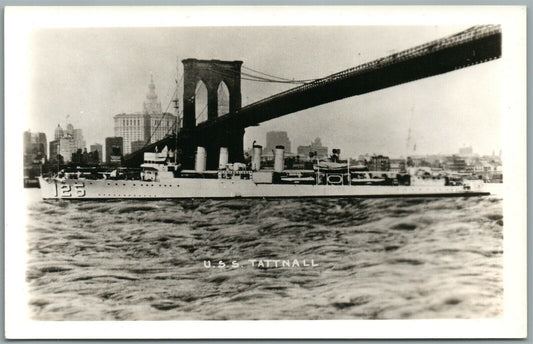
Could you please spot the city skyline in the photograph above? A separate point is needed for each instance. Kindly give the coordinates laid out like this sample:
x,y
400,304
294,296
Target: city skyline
x,y
108,77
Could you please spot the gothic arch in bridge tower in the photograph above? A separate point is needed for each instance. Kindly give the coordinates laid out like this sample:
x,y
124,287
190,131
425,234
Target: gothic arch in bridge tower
x,y
212,73
200,102
223,99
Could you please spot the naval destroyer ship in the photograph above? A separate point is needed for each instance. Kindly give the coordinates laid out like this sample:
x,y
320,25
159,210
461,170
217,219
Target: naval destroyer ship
x,y
160,177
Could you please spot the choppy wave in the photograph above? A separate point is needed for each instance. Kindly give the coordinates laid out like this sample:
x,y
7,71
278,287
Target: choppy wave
x,y
374,259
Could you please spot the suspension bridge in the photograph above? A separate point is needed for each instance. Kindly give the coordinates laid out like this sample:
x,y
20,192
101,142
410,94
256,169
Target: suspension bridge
x,y
473,46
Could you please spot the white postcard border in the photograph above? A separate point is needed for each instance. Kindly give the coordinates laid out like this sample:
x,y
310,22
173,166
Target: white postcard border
x,y
20,23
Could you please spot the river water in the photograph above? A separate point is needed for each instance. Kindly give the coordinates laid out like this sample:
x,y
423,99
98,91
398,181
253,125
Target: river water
x,y
336,259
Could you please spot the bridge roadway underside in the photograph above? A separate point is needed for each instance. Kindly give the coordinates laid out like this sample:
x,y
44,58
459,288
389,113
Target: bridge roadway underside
x,y
364,81
229,129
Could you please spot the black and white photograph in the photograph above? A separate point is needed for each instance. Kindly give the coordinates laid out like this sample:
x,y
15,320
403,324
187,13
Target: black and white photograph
x,y
356,169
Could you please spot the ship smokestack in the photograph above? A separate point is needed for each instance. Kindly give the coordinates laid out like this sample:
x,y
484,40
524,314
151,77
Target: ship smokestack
x,y
256,157
199,164
279,158
223,158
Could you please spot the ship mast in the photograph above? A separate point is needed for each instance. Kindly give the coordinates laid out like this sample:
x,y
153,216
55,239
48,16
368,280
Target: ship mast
x,y
177,112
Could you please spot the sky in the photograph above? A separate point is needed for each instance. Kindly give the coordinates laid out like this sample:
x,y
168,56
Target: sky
x,y
92,74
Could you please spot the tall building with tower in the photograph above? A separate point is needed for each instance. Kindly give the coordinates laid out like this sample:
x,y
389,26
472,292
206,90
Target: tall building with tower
x,y
277,138
76,135
66,142
152,105
149,125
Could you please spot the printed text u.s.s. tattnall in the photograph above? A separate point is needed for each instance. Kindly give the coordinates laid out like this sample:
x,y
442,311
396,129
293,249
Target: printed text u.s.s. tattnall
x,y
262,263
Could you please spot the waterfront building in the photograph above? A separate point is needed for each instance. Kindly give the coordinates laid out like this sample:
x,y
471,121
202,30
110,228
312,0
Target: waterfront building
x,y
277,138
455,163
363,158
98,149
397,165
79,157
148,126
114,150
35,147
420,161
61,150
314,147
84,158
379,163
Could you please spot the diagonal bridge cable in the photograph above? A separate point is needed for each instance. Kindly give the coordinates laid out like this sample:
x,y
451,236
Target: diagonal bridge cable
x,y
257,78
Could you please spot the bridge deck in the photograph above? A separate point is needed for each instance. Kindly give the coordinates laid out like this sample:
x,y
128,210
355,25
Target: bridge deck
x,y
473,46
470,47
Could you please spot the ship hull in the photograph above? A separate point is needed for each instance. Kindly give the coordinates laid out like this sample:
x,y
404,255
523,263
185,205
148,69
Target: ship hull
x,y
188,188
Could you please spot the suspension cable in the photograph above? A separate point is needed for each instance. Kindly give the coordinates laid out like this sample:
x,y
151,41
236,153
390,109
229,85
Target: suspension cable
x,y
201,112
265,74
257,78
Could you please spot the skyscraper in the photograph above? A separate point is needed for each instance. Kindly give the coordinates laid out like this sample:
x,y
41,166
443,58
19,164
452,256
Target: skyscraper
x,y
79,141
35,147
277,138
132,127
148,126
114,150
66,142
58,132
63,146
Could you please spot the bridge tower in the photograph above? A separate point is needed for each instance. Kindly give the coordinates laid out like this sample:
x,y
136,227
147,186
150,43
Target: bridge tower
x,y
212,73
